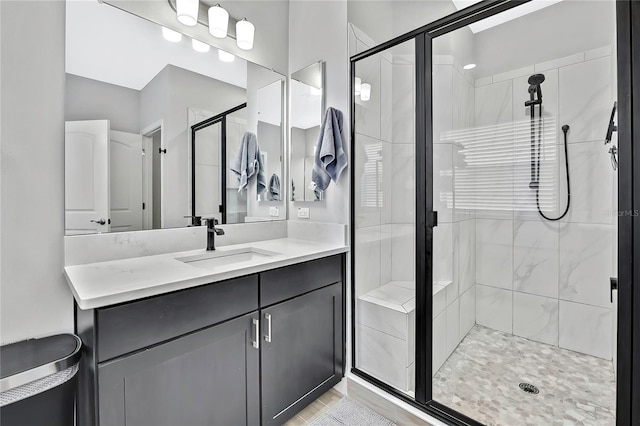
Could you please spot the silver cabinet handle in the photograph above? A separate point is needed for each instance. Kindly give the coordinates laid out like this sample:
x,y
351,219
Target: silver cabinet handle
x,y
256,326
267,337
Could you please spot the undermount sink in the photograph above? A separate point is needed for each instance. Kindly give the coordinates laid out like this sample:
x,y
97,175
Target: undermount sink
x,y
219,257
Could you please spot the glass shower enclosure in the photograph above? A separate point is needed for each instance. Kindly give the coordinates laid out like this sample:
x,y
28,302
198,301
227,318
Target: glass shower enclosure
x,y
484,214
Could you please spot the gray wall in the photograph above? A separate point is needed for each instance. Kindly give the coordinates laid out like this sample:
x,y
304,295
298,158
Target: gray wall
x,y
168,97
34,297
88,99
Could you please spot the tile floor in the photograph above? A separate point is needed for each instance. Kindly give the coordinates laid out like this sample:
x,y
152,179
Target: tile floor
x,y
316,408
481,378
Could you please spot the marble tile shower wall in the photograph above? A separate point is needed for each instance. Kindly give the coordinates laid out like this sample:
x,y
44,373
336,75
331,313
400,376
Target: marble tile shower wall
x,y
549,281
374,206
454,237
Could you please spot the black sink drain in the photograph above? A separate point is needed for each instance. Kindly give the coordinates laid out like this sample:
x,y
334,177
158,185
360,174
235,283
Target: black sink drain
x,y
529,388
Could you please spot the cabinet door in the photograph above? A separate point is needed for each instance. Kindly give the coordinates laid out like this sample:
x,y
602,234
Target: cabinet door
x,y
304,357
209,377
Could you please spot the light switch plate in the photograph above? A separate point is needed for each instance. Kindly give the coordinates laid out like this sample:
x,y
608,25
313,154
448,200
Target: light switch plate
x,y
303,212
274,211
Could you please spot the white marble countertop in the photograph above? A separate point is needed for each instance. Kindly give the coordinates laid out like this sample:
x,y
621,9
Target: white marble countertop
x,y
96,285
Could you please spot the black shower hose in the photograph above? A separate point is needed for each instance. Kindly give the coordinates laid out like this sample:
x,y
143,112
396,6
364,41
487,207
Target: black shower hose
x,y
565,129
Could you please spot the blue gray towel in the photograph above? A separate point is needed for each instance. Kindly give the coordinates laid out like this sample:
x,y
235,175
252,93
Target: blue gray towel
x,y
330,158
274,188
248,162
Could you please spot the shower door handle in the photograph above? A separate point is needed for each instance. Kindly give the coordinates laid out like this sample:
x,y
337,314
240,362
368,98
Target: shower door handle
x,y
434,219
614,286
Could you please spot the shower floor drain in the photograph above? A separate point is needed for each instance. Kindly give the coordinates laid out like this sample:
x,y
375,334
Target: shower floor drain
x,y
529,388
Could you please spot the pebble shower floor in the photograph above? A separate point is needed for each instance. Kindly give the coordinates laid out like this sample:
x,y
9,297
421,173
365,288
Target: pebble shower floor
x,y
481,379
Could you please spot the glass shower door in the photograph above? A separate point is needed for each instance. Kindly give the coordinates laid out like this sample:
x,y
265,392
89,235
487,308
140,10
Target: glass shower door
x,y
523,324
384,216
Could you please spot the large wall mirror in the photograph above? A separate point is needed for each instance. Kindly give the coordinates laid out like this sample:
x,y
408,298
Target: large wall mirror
x,y
156,124
307,106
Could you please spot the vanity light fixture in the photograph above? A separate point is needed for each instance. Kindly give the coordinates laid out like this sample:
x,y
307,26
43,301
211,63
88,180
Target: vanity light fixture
x,y
358,86
218,21
244,34
225,56
365,92
199,46
187,12
469,66
170,35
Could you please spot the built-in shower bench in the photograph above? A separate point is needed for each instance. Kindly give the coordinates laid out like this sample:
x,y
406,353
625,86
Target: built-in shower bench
x,y
386,330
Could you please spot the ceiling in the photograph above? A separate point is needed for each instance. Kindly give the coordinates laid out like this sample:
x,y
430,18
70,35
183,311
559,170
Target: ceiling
x,y
104,43
503,17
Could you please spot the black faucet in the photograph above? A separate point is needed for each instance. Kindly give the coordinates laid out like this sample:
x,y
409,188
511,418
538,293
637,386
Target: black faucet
x,y
212,231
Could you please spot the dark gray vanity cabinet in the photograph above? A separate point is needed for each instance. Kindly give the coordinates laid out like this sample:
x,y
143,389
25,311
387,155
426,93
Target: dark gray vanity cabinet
x,y
303,355
247,351
209,377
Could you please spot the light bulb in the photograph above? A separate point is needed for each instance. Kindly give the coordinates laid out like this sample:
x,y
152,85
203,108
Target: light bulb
x,y
244,34
225,56
170,35
469,66
199,46
187,12
365,92
218,21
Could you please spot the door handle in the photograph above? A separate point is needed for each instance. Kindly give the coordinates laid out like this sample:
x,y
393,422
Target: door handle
x,y
99,222
614,286
256,328
267,337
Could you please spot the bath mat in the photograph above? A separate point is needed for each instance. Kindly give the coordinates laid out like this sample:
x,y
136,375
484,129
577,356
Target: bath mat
x,y
348,412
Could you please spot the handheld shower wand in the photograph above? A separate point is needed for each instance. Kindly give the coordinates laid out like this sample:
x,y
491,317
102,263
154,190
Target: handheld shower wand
x,y
535,98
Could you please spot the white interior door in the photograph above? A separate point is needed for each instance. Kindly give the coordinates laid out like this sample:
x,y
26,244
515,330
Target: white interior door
x,y
125,151
86,177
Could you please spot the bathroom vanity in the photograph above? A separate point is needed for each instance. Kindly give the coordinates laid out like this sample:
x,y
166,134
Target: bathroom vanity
x,y
245,341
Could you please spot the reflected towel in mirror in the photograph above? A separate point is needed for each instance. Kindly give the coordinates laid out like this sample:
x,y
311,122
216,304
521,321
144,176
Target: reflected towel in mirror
x,y
248,162
274,188
330,158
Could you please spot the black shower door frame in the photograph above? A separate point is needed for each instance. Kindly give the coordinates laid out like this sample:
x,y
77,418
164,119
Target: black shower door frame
x,y
628,57
222,119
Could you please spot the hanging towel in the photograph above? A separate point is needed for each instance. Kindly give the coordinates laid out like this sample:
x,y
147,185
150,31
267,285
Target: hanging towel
x,y
330,158
261,172
248,162
274,188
